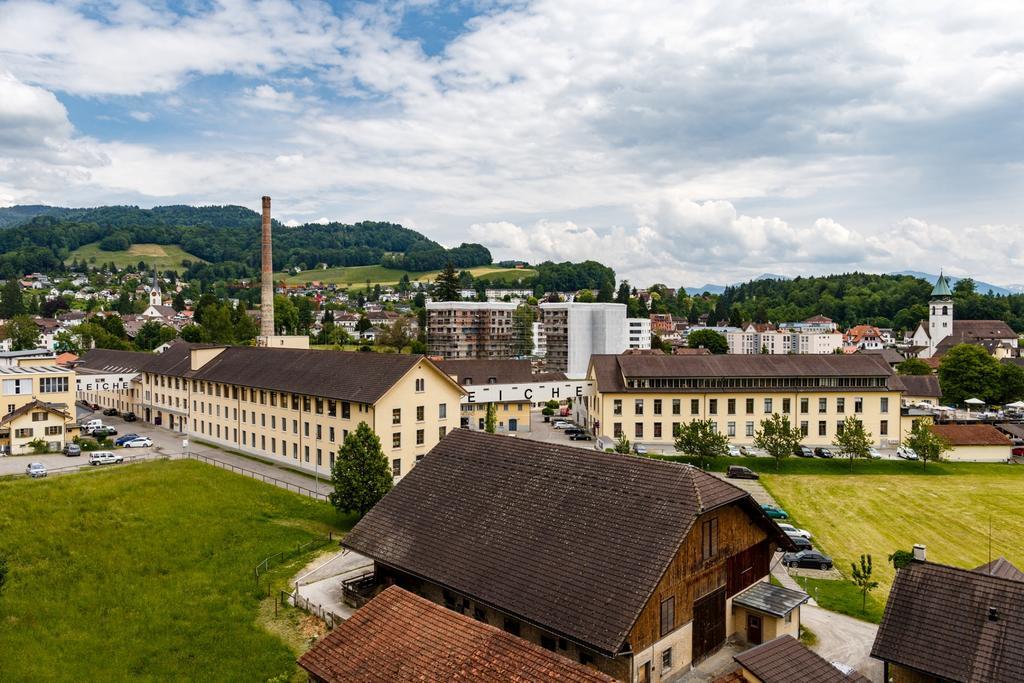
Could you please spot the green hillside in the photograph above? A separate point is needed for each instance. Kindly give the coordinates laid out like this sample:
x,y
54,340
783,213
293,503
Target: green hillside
x,y
160,256
379,275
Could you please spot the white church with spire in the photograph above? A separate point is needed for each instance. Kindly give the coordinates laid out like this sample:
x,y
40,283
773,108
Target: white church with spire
x,y
941,332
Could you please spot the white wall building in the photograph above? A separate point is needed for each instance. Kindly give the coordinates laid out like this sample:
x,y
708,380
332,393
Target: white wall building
x,y
540,342
575,331
638,333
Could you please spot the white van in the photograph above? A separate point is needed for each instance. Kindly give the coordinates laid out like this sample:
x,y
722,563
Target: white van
x,y
91,425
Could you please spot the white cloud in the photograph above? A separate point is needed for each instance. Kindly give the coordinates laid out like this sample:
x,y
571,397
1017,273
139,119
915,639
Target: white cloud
x,y
142,116
679,142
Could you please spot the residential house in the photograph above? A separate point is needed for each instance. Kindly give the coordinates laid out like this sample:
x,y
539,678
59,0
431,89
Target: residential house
x,y
627,564
950,625
400,637
942,332
863,338
39,403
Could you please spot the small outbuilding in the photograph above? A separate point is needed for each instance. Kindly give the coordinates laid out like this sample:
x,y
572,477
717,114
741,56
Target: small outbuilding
x,y
974,443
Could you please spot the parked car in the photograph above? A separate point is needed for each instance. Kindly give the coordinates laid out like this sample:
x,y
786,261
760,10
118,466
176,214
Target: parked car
x,y
91,424
734,451
72,450
874,454
105,458
562,424
790,529
93,406
121,440
799,541
1018,451
580,435
774,512
741,472
640,449
803,452
102,432
141,442
807,559
36,469
753,452
111,412
571,431
823,453
129,417
906,453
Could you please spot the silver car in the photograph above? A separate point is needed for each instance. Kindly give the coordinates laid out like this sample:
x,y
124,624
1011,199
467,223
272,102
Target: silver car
x,y
36,469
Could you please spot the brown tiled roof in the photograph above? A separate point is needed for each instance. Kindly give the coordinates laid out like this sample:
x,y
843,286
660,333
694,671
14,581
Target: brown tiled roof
x,y
398,637
569,539
939,621
976,331
891,355
921,385
1001,567
611,370
342,375
110,360
785,660
481,371
971,435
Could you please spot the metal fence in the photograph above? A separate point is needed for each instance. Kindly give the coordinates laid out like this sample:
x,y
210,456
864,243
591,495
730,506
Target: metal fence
x,y
306,605
264,566
302,490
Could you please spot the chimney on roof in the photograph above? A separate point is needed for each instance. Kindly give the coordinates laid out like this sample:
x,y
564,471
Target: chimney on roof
x,y
267,281
920,554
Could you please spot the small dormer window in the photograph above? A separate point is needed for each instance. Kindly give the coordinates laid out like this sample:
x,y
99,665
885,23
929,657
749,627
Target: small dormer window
x,y
492,380
467,381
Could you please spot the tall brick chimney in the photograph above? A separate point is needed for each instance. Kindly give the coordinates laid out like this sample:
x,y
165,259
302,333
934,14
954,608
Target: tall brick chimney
x,y
267,281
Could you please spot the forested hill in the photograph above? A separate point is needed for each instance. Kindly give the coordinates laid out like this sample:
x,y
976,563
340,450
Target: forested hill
x,y
40,238
897,301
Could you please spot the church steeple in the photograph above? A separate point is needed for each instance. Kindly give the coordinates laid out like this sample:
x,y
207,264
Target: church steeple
x,y
941,290
156,298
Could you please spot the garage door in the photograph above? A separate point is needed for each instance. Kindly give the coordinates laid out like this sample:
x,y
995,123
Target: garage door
x,y
708,624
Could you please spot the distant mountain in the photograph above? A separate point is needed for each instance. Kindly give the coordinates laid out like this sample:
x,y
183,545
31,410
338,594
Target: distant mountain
x,y
979,286
718,289
12,216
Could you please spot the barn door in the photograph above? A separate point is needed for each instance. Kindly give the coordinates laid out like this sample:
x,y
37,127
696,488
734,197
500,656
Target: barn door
x,y
708,624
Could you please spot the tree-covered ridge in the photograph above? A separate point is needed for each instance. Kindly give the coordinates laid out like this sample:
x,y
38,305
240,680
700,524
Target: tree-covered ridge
x,y
223,234
897,301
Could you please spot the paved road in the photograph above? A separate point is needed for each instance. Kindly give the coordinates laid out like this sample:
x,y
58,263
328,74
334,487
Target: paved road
x,y
843,639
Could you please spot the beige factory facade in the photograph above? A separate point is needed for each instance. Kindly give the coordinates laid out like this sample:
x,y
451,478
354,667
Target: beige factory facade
x,y
292,406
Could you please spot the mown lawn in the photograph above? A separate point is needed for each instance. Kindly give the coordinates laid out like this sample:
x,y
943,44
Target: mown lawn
x,y
160,256
379,275
146,571
885,506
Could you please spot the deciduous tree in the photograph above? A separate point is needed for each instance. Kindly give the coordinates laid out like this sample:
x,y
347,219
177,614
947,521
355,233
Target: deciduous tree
x,y
853,440
23,333
913,366
714,342
778,437
491,419
702,440
968,371
361,474
927,444
862,579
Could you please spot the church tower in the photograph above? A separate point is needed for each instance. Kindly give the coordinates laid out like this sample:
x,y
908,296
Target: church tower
x,y
940,312
156,298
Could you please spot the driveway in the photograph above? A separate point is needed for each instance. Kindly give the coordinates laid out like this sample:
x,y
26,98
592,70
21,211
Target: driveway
x,y
843,639
321,581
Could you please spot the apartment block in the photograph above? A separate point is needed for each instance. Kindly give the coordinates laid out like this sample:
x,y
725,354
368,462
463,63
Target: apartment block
x,y
647,397
39,403
576,331
638,333
470,329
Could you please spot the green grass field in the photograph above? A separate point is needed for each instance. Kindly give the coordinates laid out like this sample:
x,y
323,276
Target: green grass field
x,y
146,571
379,275
161,256
887,506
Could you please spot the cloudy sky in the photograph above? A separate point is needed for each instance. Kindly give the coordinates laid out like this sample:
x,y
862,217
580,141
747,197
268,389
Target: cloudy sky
x,y
681,142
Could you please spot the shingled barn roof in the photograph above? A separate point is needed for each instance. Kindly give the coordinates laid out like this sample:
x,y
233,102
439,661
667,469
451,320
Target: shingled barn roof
x,y
571,540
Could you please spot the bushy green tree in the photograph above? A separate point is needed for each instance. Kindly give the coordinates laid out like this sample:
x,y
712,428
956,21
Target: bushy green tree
x,y
491,419
622,445
152,334
446,286
853,440
778,437
23,333
702,440
968,371
714,342
12,302
913,366
361,474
